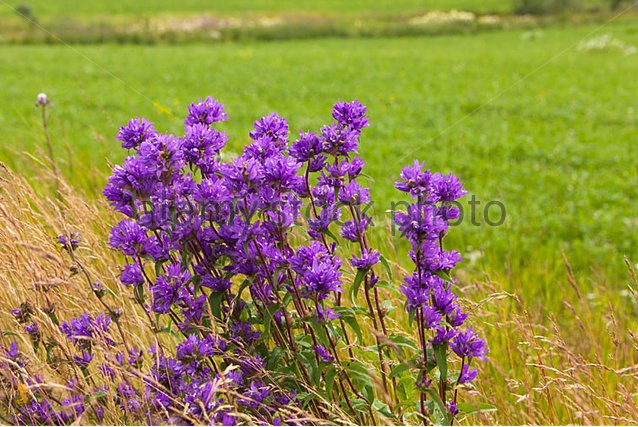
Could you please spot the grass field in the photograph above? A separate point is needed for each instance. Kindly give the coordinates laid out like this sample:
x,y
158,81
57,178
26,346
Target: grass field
x,y
92,8
525,118
59,8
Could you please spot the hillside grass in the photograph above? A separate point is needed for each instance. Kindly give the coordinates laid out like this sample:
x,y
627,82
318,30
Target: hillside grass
x,y
58,8
523,118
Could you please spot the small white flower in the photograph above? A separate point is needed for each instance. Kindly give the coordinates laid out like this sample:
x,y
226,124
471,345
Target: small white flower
x,y
42,99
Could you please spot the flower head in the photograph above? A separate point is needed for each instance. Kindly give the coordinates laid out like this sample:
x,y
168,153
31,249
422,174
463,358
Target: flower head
x,y
350,114
135,132
42,100
468,344
207,112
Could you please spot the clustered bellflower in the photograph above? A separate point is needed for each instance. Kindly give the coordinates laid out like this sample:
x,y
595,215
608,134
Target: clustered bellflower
x,y
429,290
241,262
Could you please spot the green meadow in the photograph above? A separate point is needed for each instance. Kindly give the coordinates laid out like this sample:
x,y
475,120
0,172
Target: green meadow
x,y
524,117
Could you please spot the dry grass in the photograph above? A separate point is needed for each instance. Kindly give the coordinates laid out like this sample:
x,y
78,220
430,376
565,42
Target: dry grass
x,y
578,366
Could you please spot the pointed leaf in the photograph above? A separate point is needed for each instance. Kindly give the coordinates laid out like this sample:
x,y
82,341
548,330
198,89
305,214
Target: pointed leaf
x,y
440,353
385,263
354,290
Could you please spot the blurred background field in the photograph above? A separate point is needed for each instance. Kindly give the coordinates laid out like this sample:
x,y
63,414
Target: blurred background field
x,y
537,112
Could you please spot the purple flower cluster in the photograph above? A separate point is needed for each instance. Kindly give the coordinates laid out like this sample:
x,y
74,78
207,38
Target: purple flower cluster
x,y
428,290
202,224
42,405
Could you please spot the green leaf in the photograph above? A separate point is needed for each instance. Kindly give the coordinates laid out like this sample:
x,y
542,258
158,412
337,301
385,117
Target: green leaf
x,y
411,314
386,285
397,370
440,353
469,409
320,333
351,321
54,318
368,391
388,270
330,375
403,341
215,303
304,397
158,268
359,374
382,408
97,395
275,356
440,414
444,274
307,359
243,286
387,306
332,331
402,393
354,290
351,311
359,405
331,235
139,293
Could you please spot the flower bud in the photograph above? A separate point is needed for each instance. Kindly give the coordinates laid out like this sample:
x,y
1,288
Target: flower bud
x,y
42,100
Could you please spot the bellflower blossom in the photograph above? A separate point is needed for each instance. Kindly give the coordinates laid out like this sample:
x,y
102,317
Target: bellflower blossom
x,y
242,258
429,297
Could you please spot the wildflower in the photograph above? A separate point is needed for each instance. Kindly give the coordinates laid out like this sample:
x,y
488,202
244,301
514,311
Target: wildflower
x,y
323,354
215,283
306,148
468,344
325,314
446,188
71,242
23,313
242,332
256,393
467,375
167,287
273,128
131,275
353,194
137,130
251,365
42,100
202,142
354,230
415,180
83,360
339,141
128,236
207,112
350,114
369,257
323,277
431,317
451,408
32,329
